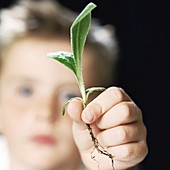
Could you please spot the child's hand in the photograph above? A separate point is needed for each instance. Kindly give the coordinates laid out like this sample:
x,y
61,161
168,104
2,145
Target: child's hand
x,y
117,123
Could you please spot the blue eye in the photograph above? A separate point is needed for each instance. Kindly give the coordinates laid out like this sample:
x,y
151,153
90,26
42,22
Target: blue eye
x,y
25,91
65,96
68,96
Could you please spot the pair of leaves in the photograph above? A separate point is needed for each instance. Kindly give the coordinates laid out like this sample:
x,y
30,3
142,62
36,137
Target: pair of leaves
x,y
66,58
73,60
78,32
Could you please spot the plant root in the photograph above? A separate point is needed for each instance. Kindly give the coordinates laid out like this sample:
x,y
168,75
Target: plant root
x,y
99,148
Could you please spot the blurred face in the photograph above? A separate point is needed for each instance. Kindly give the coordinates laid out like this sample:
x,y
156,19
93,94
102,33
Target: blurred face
x,y
32,92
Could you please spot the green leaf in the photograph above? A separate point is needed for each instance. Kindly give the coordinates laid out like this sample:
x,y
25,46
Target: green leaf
x,y
65,58
92,89
78,35
79,31
64,108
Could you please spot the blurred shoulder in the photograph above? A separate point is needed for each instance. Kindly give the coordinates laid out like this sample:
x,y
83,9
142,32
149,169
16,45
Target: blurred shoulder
x,y
4,165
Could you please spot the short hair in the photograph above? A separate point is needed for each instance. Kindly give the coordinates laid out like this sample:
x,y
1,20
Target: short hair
x,y
51,19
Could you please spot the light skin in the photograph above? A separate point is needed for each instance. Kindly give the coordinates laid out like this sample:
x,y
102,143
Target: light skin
x,y
35,88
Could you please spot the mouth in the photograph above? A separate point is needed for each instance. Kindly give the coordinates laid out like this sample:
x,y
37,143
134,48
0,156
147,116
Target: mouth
x,y
44,139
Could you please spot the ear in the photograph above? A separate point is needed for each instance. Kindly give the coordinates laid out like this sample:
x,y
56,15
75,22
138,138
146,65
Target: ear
x,y
0,116
1,131
0,124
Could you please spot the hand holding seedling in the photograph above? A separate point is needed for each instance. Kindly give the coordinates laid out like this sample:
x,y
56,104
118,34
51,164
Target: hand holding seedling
x,y
117,124
112,119
73,61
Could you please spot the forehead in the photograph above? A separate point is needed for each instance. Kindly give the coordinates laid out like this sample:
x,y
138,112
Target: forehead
x,y
29,55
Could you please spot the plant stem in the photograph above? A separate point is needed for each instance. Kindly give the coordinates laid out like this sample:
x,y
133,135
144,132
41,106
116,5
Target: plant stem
x,y
82,91
81,85
97,145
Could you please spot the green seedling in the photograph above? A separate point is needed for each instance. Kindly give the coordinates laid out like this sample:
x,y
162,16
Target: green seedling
x,y
73,61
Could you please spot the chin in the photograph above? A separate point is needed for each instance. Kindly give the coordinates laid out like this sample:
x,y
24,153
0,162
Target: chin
x,y
44,160
47,163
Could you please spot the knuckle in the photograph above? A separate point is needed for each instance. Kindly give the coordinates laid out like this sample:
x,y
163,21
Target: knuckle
x,y
116,92
142,129
146,150
125,108
127,152
145,131
143,150
123,134
138,111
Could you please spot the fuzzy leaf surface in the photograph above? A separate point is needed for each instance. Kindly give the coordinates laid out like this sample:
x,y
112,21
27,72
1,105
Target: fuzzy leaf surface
x,y
65,58
93,89
79,31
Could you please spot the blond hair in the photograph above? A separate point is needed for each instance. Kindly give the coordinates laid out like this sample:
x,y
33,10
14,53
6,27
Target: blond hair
x,y
49,18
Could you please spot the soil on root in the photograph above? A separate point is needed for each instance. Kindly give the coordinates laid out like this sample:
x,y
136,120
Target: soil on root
x,y
99,148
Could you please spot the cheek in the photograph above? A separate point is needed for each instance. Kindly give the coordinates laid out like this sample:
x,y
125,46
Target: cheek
x,y
11,111
12,125
13,107
12,118
64,126
65,136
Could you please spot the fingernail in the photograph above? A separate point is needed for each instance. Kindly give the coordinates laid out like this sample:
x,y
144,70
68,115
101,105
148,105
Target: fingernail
x,y
88,116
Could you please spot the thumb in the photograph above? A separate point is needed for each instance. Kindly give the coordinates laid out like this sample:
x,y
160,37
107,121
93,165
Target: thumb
x,y
74,110
80,132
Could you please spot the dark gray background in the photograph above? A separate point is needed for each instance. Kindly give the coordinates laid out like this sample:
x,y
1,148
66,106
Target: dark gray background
x,y
144,68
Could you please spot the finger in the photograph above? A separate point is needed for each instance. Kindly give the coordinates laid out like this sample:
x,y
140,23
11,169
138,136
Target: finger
x,y
129,154
122,113
80,133
124,156
74,110
103,103
122,134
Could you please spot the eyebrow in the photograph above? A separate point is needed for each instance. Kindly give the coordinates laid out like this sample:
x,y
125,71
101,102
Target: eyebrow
x,y
28,79
20,78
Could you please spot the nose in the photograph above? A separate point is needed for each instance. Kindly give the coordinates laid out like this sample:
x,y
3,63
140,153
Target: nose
x,y
47,109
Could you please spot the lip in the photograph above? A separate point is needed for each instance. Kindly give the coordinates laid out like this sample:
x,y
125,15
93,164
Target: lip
x,y
44,139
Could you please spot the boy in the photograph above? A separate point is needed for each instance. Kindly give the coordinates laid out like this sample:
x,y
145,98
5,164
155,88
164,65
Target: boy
x,y
33,89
